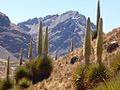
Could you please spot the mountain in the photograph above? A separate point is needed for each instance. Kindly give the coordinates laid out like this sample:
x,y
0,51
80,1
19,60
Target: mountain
x,y
61,30
4,54
4,20
12,38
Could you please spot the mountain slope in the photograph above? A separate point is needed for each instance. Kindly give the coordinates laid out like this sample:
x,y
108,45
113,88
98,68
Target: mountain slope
x,y
4,54
60,78
61,30
12,37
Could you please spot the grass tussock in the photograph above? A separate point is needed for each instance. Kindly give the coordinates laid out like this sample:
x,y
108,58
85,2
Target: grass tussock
x,y
112,84
115,65
24,83
78,78
6,84
98,73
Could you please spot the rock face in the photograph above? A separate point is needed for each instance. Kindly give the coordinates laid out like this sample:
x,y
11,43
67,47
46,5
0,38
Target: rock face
x,y
61,30
4,20
112,46
28,22
12,38
4,54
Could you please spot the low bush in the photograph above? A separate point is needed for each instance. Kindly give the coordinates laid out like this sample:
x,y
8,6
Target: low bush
x,y
24,83
115,65
20,73
112,84
98,73
37,70
42,68
6,84
78,78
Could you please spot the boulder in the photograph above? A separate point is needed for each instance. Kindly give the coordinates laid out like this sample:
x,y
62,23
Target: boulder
x,y
73,60
112,46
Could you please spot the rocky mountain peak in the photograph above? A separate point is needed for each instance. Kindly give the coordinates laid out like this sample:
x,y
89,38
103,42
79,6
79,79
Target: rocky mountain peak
x,y
61,28
4,20
71,13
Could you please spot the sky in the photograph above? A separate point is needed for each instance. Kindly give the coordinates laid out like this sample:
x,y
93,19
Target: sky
x,y
21,10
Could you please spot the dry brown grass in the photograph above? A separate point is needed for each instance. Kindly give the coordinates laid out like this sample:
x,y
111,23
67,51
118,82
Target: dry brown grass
x,y
62,70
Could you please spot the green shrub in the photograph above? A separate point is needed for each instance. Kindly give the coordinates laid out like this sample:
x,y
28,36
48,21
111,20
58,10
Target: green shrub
x,y
97,73
36,70
113,84
115,65
41,69
28,64
6,84
78,78
24,83
31,68
20,73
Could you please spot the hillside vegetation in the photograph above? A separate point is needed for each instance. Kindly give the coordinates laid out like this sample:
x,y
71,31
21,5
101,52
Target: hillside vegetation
x,y
60,78
94,66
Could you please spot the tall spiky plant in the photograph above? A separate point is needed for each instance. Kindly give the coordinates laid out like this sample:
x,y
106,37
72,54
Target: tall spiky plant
x,y
87,43
30,51
98,14
46,43
8,68
7,83
56,56
43,44
40,39
94,36
21,57
99,42
72,45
